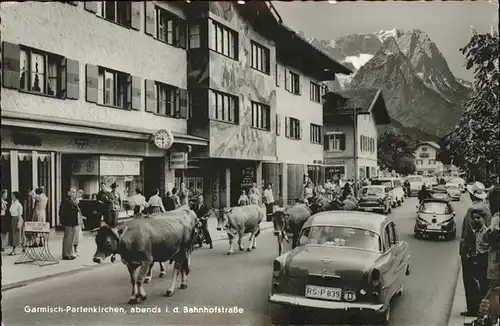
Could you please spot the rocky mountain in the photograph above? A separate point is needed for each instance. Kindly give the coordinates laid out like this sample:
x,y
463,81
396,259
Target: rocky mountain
x,y
423,96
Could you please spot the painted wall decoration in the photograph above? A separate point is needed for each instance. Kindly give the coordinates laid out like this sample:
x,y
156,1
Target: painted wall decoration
x,y
237,77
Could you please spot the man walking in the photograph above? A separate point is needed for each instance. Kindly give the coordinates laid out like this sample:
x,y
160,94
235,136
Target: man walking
x,y
114,206
68,214
423,194
102,201
468,246
201,212
269,201
168,202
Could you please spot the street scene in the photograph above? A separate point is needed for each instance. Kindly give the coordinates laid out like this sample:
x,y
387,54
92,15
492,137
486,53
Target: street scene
x,y
250,163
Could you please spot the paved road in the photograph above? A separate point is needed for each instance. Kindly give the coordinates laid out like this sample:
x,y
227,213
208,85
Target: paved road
x,y
241,280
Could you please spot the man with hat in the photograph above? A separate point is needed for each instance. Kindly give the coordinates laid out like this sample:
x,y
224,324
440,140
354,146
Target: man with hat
x,y
468,246
114,206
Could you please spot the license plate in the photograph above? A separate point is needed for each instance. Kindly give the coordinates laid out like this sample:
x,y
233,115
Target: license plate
x,y
433,227
321,292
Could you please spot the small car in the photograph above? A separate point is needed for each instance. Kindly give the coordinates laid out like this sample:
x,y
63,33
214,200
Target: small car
x,y
345,261
454,191
439,193
376,198
397,192
435,217
416,183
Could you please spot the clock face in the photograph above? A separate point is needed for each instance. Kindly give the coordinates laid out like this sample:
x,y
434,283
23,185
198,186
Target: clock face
x,y
89,167
77,166
163,139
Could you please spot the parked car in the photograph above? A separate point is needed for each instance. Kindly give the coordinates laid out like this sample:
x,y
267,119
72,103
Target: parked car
x,y
397,191
375,198
435,217
344,261
441,193
454,191
460,182
416,183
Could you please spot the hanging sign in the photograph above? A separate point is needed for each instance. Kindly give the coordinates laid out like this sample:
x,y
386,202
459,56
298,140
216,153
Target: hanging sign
x,y
40,227
178,160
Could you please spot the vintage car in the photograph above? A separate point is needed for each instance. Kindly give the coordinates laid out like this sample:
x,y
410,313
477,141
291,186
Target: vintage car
x,y
416,183
397,192
375,198
435,217
460,182
346,262
441,193
454,191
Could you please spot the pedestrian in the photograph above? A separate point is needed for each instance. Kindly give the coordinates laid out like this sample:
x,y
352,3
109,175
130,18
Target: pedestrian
x,y
175,197
16,214
423,194
5,216
155,203
253,198
114,206
168,202
268,198
481,251
138,201
183,197
493,274
39,211
308,191
78,228
68,215
103,202
202,211
467,246
243,200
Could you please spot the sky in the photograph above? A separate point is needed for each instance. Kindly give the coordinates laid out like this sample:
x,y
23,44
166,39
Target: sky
x,y
448,23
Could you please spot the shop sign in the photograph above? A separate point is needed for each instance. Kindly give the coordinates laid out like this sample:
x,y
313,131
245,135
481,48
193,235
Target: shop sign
x,y
40,227
178,160
332,170
334,162
119,167
248,175
88,166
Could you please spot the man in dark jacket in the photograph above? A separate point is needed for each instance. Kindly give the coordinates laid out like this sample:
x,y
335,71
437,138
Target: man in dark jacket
x,y
201,211
424,194
168,202
68,214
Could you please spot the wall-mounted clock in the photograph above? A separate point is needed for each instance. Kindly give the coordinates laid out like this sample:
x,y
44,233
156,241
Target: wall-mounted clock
x,y
163,139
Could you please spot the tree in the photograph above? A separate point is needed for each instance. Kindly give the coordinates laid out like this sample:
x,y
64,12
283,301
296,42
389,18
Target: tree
x,y
474,144
395,152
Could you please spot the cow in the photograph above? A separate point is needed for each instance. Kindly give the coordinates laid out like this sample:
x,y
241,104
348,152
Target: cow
x,y
323,205
290,220
237,221
140,242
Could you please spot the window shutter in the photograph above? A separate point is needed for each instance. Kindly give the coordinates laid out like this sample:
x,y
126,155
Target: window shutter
x,y
285,71
91,6
150,95
278,75
287,133
301,130
182,26
183,103
11,58
342,142
300,84
150,15
63,91
92,83
278,124
326,142
72,79
135,93
135,19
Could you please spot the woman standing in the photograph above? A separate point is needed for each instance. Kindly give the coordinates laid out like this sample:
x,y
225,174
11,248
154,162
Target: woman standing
x,y
175,197
39,211
5,219
138,201
78,229
253,197
155,203
243,200
16,213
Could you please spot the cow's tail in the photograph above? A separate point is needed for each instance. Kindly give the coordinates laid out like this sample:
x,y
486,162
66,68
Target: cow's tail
x,y
258,232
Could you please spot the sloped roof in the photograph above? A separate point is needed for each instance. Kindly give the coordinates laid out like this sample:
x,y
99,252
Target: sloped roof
x,y
430,143
363,100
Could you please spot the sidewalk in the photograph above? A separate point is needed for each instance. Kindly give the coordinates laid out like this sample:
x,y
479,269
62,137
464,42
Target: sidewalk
x,y
17,275
459,304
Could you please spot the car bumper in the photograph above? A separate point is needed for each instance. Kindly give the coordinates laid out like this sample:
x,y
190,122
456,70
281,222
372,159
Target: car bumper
x,y
292,300
435,232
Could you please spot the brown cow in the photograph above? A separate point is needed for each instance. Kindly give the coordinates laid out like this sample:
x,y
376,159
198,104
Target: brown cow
x,y
290,220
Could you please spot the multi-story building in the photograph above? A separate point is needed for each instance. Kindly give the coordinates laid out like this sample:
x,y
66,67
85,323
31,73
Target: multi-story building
x,y
350,138
425,158
85,86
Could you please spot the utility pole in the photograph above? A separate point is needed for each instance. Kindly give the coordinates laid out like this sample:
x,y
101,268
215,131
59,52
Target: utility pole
x,y
355,119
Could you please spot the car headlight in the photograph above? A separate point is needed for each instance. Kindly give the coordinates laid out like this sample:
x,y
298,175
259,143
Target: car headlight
x,y
422,221
446,222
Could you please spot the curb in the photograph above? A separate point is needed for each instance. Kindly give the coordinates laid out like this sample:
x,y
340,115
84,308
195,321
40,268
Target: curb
x,y
455,291
24,283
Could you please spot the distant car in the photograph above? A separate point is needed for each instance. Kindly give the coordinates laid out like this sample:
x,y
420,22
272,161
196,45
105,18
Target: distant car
x,y
349,262
435,217
397,192
416,183
375,198
441,194
460,182
454,191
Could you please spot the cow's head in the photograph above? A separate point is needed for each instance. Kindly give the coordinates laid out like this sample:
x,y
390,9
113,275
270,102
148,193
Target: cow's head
x,y
280,221
223,218
106,240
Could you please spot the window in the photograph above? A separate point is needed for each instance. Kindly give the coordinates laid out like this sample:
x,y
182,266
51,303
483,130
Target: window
x,y
424,155
418,162
116,11
223,40
260,58
292,82
167,98
432,162
41,72
224,107
324,89
293,128
315,134
424,149
113,88
335,141
393,237
261,116
170,28
315,92
194,36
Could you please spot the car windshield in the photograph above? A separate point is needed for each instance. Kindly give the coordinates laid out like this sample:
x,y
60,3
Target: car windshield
x,y
372,190
415,179
440,195
433,208
340,236
451,186
381,183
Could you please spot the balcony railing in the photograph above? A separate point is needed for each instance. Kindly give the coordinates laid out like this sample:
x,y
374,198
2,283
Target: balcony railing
x,y
424,155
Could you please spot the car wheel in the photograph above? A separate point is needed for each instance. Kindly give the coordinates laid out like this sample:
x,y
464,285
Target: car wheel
x,y
384,317
418,235
400,202
389,210
452,235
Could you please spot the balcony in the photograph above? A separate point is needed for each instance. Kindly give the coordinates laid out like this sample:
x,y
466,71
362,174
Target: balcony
x,y
424,155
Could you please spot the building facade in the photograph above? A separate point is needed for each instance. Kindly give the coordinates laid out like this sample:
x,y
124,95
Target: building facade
x,y
350,119
426,158
85,86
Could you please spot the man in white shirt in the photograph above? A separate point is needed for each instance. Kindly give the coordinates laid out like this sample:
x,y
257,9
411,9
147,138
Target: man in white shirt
x,y
269,200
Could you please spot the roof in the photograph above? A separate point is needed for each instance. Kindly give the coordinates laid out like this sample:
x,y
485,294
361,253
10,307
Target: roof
x,y
436,200
430,143
364,220
363,101
374,186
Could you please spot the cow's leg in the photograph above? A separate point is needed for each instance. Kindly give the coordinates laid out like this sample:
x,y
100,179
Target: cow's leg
x,y
147,279
143,271
250,240
280,244
254,244
295,239
231,242
240,240
175,273
133,271
184,263
162,269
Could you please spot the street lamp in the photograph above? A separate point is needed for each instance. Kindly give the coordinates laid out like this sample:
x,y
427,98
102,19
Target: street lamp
x,y
355,153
